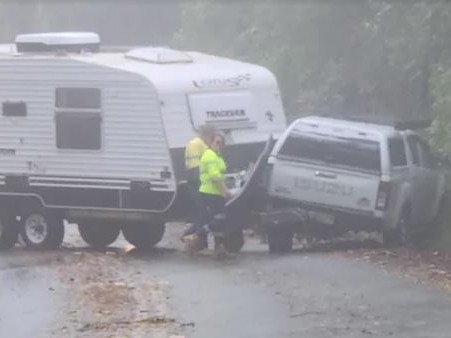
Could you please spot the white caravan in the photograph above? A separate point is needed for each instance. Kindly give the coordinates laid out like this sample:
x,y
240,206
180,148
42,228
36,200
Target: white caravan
x,y
87,135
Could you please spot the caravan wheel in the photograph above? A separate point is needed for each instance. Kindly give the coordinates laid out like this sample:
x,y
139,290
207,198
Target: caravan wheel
x,y
144,235
43,230
8,231
99,234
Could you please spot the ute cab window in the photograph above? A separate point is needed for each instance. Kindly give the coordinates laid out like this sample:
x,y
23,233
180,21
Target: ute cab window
x,y
421,153
78,118
351,153
397,152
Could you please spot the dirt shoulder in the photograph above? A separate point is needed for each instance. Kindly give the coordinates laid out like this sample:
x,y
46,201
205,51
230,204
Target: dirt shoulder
x,y
108,298
423,266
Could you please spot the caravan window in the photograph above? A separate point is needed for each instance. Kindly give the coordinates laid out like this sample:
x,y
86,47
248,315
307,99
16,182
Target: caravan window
x,y
78,98
78,131
78,118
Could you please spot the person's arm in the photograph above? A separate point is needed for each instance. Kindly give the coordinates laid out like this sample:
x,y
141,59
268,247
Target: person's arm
x,y
222,187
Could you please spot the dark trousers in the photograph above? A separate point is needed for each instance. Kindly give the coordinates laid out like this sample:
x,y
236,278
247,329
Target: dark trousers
x,y
212,205
192,189
196,207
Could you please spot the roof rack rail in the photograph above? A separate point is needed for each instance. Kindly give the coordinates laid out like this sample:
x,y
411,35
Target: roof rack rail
x,y
411,124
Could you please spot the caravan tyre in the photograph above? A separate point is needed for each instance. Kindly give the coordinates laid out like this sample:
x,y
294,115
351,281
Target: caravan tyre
x,y
42,230
99,234
8,231
144,235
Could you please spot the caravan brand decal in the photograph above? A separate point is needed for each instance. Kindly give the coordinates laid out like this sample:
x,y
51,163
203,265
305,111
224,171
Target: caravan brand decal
x,y
270,116
224,82
226,113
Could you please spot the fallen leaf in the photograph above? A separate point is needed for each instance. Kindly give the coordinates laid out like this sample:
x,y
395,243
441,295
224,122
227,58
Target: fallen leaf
x,y
129,247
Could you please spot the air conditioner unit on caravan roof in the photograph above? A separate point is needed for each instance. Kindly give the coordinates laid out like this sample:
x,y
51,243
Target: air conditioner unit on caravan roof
x,y
75,42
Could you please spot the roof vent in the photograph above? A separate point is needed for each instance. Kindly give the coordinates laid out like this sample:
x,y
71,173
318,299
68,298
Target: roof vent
x,y
75,42
159,55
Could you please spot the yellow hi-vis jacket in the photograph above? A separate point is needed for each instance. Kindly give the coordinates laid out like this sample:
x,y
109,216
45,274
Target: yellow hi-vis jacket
x,y
212,168
193,152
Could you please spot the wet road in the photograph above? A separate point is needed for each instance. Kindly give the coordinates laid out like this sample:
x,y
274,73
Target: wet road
x,y
75,292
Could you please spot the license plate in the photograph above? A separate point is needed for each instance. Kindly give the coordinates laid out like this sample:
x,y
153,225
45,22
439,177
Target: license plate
x,y
322,217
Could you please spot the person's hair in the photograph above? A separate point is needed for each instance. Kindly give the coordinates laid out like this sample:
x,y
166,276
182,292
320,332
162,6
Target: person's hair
x,y
207,132
219,134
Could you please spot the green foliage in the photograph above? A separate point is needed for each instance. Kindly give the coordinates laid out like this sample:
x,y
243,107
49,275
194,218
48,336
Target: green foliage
x,y
367,57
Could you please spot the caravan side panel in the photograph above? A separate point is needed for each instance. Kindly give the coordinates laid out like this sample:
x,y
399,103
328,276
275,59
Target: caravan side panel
x,y
131,170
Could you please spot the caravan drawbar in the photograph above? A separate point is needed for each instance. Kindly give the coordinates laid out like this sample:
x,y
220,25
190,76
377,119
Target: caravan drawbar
x,y
96,137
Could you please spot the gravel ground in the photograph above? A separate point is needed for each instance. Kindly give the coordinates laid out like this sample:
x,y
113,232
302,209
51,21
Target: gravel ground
x,y
323,291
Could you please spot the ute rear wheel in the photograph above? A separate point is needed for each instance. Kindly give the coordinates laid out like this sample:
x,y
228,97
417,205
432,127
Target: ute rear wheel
x,y
99,234
144,235
42,229
8,231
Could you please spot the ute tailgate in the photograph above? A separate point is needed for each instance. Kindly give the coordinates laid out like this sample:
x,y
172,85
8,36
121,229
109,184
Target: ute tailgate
x,y
325,186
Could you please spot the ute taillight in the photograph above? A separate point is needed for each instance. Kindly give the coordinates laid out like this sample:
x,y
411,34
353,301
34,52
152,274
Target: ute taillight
x,y
383,196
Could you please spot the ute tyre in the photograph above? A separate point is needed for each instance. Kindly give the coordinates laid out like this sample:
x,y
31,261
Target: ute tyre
x,y
42,229
8,231
99,234
280,240
144,235
234,242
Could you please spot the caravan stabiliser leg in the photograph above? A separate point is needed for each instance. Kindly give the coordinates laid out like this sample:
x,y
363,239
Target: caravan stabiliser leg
x,y
8,230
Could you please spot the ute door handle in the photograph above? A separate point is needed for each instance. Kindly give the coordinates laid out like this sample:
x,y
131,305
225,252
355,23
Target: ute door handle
x,y
325,175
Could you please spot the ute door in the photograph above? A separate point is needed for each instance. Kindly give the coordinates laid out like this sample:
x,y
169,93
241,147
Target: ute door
x,y
432,179
419,178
